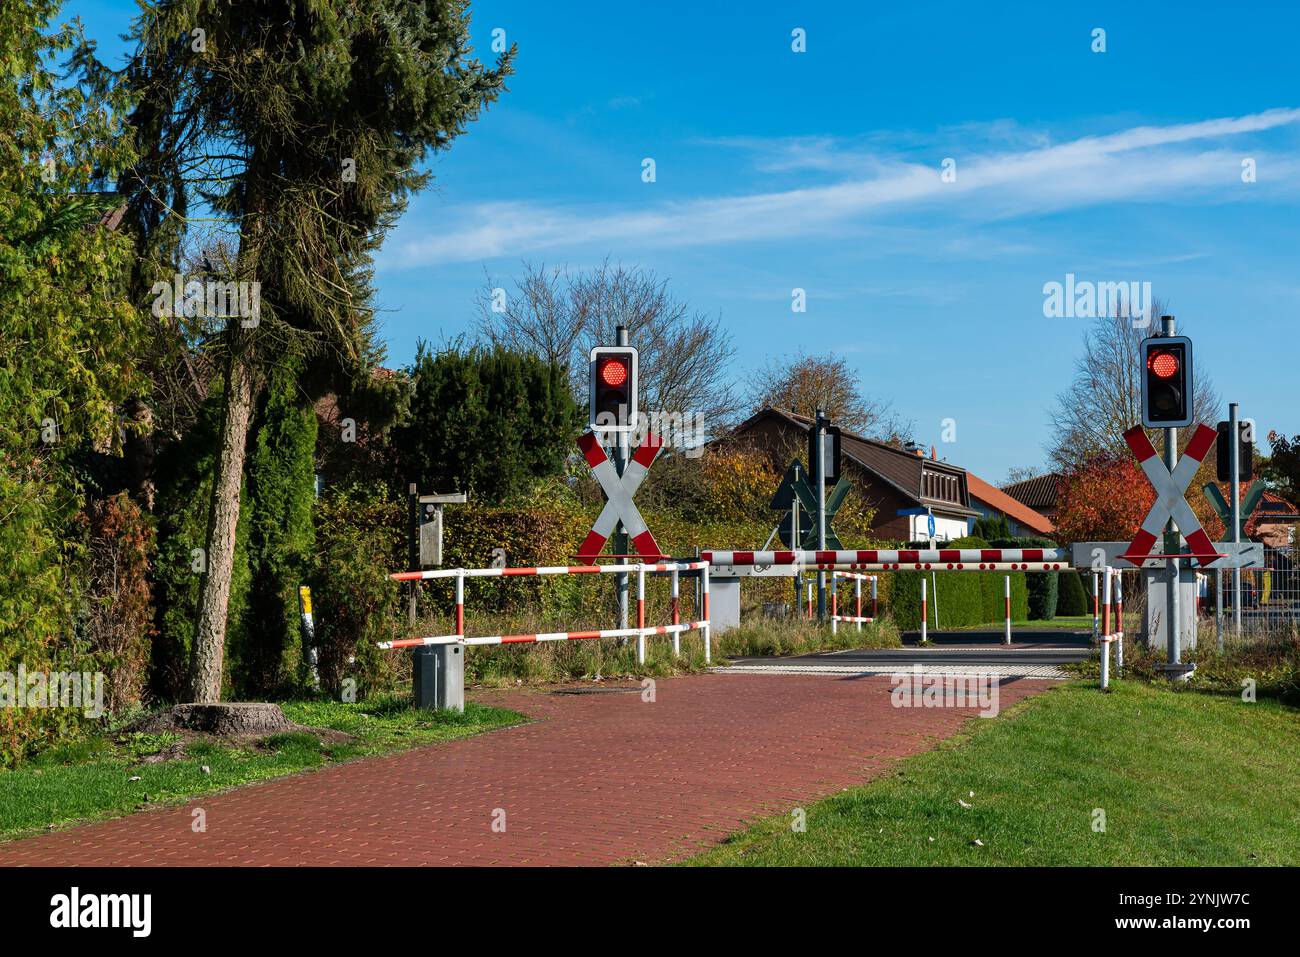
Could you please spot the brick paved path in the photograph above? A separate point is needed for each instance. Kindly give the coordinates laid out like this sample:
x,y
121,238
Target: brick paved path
x,y
596,779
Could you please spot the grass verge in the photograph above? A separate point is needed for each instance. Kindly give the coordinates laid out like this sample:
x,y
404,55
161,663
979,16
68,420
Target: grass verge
x,y
92,778
1265,663
1180,779
1063,623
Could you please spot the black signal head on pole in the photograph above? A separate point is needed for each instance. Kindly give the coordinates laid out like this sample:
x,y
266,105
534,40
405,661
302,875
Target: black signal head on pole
x,y
831,438
612,385
1245,453
1167,382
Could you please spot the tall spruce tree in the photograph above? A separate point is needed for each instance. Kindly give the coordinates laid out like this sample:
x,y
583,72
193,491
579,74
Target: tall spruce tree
x,y
299,124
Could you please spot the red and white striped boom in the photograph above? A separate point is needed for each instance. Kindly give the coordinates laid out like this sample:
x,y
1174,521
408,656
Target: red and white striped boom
x,y
938,559
640,632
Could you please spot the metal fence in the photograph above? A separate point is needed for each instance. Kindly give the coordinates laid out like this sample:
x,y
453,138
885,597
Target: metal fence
x,y
1270,595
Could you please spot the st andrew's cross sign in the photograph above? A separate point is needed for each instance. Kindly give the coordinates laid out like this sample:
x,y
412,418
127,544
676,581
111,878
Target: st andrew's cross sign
x,y
1170,503
618,497
796,498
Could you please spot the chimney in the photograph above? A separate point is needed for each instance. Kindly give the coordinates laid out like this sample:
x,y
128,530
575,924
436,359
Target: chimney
x,y
932,455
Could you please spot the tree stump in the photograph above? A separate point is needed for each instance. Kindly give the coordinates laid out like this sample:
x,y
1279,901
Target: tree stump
x,y
222,719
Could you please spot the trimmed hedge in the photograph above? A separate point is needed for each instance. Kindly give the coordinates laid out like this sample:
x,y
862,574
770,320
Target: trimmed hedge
x,y
1044,587
964,598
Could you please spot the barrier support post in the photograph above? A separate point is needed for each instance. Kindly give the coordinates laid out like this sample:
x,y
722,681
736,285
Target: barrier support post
x,y
810,594
707,628
1105,605
923,614
857,601
640,614
1006,594
1096,626
874,610
835,602
1119,614
677,616
1218,608
460,602
1106,635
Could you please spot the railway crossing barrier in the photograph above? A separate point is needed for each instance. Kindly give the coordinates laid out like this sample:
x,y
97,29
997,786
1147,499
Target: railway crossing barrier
x,y
1112,597
939,559
439,671
857,617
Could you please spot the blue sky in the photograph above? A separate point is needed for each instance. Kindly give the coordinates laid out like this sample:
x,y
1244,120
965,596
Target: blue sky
x,y
821,170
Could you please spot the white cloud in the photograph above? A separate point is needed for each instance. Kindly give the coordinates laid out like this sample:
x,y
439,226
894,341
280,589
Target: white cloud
x,y
1147,163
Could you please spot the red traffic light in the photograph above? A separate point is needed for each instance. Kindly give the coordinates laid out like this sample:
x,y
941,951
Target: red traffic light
x,y
1163,364
612,387
613,372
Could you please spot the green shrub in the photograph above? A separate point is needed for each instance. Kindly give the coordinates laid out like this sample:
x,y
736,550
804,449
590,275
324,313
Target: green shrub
x,y
359,541
36,607
1073,598
991,529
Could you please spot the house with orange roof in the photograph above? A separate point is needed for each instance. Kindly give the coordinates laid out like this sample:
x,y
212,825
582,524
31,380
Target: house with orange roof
x,y
992,502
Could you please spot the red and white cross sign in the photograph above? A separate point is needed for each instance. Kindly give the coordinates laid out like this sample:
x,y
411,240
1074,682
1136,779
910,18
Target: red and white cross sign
x,y
618,494
1170,487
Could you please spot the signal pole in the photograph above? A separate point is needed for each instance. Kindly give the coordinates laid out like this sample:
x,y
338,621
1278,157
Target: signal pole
x,y
820,427
620,536
1172,546
1234,515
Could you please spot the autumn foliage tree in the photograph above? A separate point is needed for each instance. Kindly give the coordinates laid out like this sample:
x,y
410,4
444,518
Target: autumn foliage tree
x,y
1103,500
1107,497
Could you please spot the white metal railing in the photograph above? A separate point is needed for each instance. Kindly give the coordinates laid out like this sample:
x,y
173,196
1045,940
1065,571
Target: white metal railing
x,y
640,631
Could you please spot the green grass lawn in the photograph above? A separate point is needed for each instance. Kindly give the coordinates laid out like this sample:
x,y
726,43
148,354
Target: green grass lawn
x,y
1183,779
91,779
1065,623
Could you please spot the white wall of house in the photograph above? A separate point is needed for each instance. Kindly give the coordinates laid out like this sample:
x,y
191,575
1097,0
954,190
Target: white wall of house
x,y
945,529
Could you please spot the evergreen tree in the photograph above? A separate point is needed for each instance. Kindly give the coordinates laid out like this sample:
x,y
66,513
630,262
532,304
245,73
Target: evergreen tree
x,y
300,123
281,491
487,421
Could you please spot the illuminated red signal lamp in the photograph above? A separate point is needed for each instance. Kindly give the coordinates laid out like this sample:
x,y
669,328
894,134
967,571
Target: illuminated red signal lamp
x,y
1163,364
613,372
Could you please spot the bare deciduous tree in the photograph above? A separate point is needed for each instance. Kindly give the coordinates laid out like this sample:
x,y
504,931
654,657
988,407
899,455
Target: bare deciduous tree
x,y
684,355
803,384
1105,398
1021,473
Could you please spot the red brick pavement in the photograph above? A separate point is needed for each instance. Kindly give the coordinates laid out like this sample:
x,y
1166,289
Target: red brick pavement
x,y
595,779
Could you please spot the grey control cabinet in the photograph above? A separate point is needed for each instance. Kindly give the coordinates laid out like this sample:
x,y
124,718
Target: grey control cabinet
x,y
438,678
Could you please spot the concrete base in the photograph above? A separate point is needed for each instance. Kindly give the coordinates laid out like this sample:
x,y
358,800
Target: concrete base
x,y
438,677
1179,672
1155,633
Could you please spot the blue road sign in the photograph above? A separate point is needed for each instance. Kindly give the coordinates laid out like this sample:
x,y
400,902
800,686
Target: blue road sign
x,y
930,525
